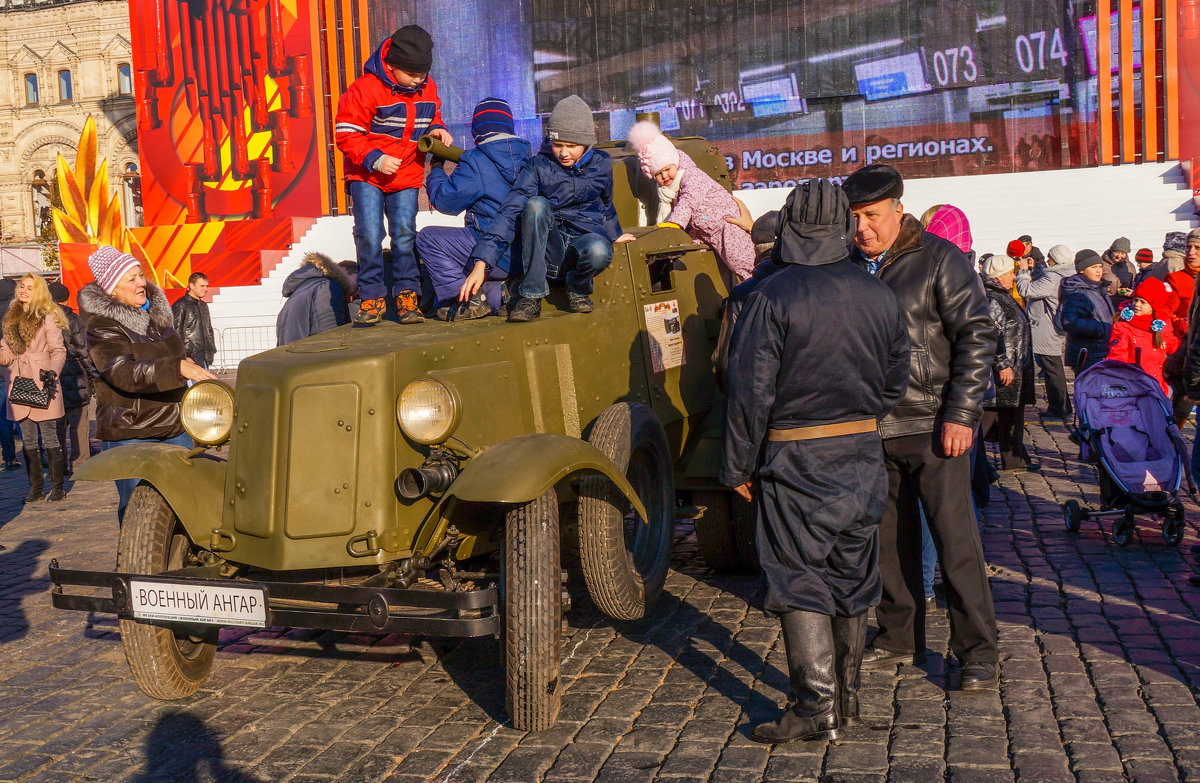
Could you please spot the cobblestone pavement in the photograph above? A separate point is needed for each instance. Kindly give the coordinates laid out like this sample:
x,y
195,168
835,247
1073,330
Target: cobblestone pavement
x,y
1100,648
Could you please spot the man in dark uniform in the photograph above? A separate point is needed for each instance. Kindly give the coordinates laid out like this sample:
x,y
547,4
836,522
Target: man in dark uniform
x,y
819,354
926,439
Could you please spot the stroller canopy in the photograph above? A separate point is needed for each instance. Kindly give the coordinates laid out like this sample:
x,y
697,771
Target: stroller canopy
x,y
1126,416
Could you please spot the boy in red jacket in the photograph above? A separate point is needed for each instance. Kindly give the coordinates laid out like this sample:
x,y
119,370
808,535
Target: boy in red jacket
x,y
379,119
1142,333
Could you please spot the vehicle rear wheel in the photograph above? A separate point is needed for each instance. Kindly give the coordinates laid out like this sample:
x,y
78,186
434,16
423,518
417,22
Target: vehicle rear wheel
x,y
714,530
167,663
625,559
532,613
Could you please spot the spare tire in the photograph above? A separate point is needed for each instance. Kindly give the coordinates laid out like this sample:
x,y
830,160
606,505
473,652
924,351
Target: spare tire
x,y
625,559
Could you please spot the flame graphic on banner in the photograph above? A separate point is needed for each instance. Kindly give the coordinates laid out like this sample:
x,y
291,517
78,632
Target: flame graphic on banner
x,y
91,215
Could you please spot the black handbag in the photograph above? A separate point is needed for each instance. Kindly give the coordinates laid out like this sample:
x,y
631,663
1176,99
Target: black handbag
x,y
25,391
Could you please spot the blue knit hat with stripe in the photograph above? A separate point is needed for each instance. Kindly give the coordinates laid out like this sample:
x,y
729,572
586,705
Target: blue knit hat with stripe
x,y
492,115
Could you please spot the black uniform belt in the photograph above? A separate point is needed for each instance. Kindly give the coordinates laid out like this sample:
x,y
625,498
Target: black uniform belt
x,y
823,430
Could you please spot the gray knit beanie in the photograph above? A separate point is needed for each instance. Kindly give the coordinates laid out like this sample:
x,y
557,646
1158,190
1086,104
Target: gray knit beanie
x,y
1120,245
1194,235
571,121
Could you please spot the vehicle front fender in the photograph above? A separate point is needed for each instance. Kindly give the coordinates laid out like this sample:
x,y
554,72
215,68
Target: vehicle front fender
x,y
194,486
520,469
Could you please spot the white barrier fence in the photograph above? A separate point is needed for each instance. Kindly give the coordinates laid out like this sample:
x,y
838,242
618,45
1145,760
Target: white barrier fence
x,y
238,342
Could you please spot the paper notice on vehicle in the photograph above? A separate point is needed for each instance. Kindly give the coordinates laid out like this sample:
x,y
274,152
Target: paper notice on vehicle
x,y
666,335
198,603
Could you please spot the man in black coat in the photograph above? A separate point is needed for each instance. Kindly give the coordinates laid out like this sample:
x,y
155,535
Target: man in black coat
x,y
76,380
819,354
193,323
927,438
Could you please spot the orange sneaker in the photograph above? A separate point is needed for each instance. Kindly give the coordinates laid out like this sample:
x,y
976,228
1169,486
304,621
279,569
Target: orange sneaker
x,y
371,312
408,310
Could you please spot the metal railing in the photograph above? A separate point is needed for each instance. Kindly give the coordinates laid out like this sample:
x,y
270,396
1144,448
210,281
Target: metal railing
x,y
238,342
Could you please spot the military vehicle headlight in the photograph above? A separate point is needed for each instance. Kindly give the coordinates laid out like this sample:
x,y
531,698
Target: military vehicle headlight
x,y
207,412
427,411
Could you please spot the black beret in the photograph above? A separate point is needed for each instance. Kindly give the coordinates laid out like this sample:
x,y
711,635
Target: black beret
x,y
766,228
1026,238
59,292
873,183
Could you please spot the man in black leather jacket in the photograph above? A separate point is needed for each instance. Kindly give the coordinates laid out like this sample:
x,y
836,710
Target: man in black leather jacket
x,y
814,451
193,323
927,436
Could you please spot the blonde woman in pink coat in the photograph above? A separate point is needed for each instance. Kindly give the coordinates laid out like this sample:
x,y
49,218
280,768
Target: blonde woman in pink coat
x,y
692,200
32,342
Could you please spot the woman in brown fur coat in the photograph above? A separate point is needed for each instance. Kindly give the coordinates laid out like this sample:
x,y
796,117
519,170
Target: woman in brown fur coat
x,y
32,342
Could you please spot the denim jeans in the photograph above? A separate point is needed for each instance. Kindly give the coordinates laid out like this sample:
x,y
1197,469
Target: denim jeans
x,y
446,253
8,441
1196,455
370,207
551,250
928,555
125,487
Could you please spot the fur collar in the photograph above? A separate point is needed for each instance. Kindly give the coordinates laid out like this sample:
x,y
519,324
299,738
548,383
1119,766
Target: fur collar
x,y
20,327
94,301
328,268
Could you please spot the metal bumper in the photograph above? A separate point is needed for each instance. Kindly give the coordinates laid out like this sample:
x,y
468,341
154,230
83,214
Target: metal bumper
x,y
307,605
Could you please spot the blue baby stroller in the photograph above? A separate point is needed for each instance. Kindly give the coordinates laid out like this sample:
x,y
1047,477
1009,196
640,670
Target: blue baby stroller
x,y
1124,426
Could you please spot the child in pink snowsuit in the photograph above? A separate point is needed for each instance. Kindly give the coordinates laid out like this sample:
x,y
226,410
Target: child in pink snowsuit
x,y
692,200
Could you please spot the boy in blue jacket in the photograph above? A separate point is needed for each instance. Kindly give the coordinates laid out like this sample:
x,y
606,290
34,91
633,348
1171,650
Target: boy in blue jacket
x,y
563,199
479,185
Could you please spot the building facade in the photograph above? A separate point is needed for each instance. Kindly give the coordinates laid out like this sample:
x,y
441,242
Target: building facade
x,y
62,61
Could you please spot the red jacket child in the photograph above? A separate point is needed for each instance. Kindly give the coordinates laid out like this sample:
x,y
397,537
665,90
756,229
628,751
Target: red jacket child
x,y
1144,325
376,116
1183,283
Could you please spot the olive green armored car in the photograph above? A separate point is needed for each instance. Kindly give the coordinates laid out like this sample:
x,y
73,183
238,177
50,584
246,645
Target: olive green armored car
x,y
425,479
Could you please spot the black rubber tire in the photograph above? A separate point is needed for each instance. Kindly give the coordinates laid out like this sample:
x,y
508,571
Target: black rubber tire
x,y
743,533
625,560
532,613
714,530
1122,531
1173,531
1072,515
166,664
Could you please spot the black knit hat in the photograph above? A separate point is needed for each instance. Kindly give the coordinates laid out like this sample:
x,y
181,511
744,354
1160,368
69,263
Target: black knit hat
x,y
1086,258
59,292
411,50
873,183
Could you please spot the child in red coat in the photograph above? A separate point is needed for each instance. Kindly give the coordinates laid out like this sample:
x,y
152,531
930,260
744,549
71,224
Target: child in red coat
x,y
1142,333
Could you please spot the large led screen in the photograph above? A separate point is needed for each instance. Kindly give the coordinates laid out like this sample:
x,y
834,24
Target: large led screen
x,y
787,89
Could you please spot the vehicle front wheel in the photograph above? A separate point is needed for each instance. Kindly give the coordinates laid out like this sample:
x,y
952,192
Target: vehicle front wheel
x,y
532,613
625,559
167,663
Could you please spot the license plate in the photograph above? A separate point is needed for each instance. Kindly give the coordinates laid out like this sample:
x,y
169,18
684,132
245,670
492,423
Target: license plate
x,y
198,603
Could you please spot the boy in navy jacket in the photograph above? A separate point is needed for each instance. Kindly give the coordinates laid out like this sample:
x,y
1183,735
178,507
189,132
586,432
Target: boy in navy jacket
x,y
379,119
563,198
479,185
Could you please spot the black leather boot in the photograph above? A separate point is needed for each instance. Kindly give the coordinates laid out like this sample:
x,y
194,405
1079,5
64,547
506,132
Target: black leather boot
x,y
33,469
849,638
58,464
812,711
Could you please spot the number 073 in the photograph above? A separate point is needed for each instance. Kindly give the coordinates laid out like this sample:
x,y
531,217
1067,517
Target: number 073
x,y
951,64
